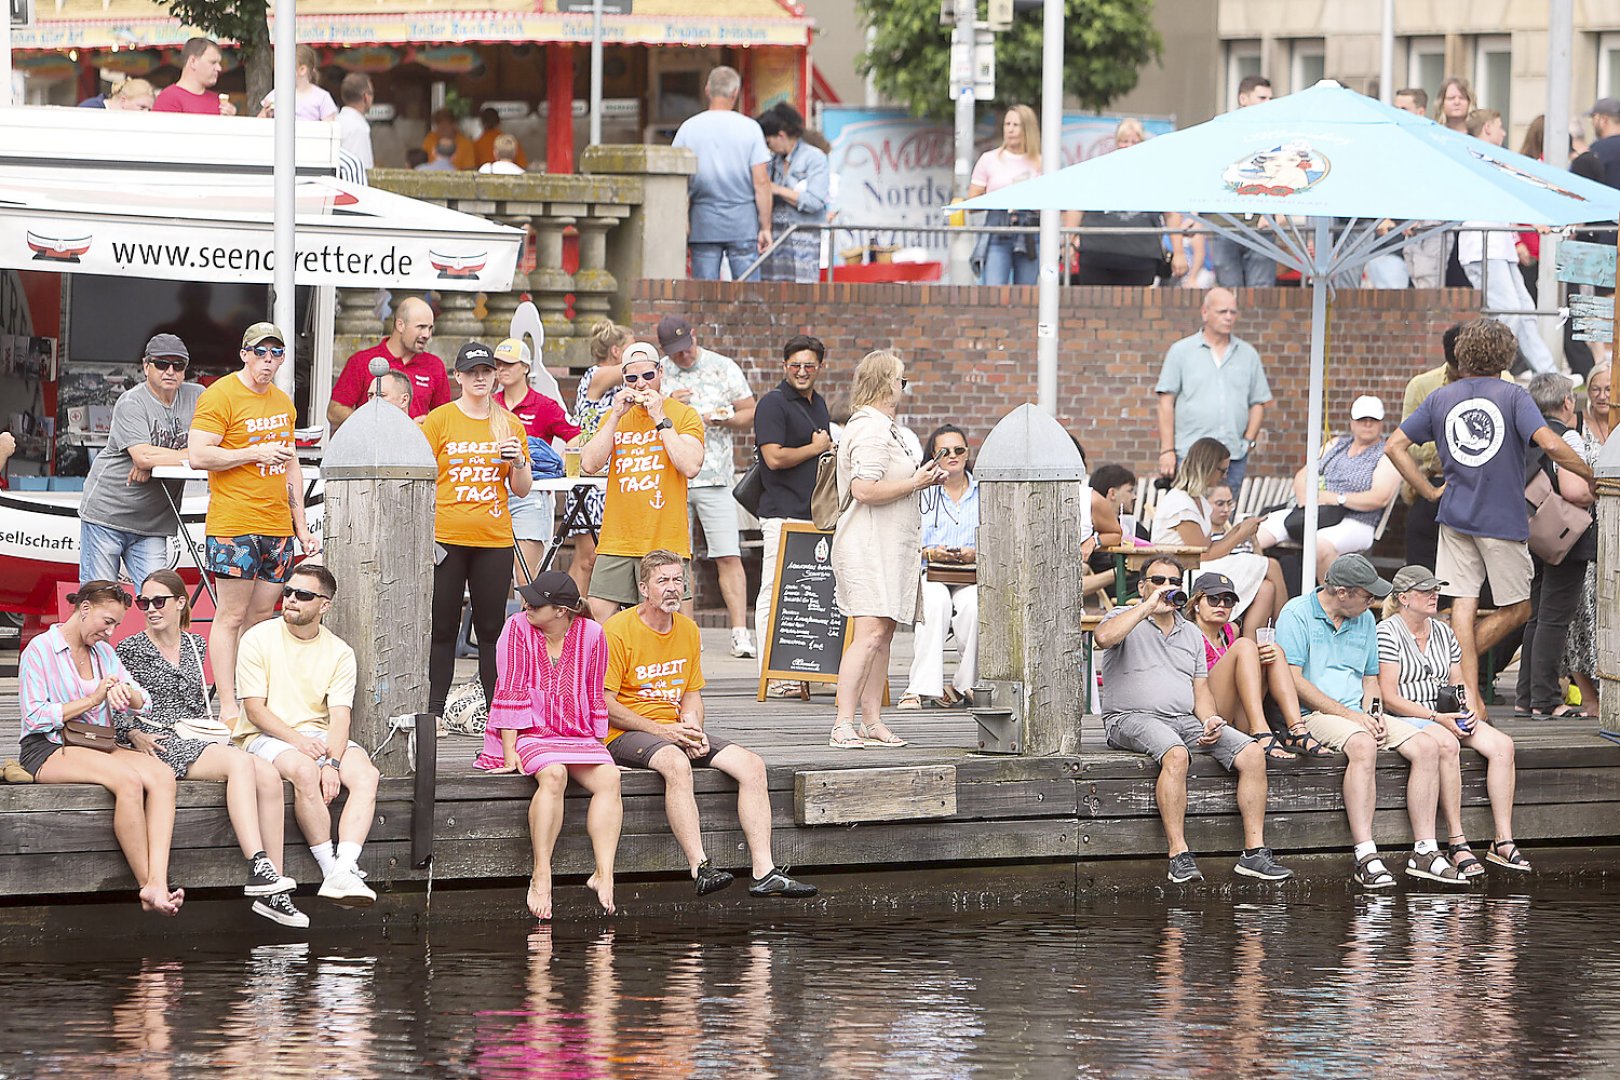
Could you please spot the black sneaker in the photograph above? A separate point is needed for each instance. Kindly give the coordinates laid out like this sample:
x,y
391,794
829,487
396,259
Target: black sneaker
x,y
777,883
278,908
1262,865
263,879
711,880
1184,868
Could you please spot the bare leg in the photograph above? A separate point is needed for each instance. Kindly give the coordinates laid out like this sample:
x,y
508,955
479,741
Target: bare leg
x,y
76,765
1251,794
1448,776
733,588
1239,693
866,642
545,822
230,619
242,803
309,805
1501,775
360,779
680,805
272,812
753,803
583,562
877,681
1360,785
1170,790
1589,692
1464,610
157,782
533,552
1324,558
603,610
1422,785
1281,685
602,823
1260,610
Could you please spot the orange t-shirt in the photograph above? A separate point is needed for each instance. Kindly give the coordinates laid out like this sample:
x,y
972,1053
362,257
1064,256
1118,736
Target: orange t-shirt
x,y
249,499
646,494
648,672
471,499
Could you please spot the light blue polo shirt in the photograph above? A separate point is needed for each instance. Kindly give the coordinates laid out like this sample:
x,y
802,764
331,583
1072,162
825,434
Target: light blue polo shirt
x,y
1213,401
1333,659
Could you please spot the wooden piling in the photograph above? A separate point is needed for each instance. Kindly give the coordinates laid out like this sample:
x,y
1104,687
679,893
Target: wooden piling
x,y
1607,522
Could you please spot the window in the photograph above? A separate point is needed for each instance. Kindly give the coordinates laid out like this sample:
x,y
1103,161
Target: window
x,y
1426,66
1608,65
1306,64
1493,74
1242,60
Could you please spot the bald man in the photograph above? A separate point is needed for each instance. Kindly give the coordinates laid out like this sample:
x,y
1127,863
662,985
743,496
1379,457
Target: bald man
x,y
406,352
1212,386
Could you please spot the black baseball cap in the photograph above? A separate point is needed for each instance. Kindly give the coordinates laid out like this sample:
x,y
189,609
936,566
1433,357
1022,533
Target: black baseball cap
x,y
551,587
1354,571
475,354
674,334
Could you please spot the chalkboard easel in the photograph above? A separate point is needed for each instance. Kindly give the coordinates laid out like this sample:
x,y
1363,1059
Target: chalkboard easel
x,y
805,636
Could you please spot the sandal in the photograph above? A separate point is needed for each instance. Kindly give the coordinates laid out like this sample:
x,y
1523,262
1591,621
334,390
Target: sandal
x,y
909,701
1273,747
1505,853
1568,712
1462,857
1369,878
872,740
1305,744
851,741
1433,866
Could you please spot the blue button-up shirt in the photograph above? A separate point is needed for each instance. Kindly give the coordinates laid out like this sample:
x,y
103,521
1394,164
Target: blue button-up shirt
x,y
950,524
1212,401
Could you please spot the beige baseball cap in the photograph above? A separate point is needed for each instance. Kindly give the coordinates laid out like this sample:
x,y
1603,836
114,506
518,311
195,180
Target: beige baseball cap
x,y
261,332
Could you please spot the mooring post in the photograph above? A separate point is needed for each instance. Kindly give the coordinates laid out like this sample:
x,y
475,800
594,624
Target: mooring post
x,y
1607,524
379,474
1034,512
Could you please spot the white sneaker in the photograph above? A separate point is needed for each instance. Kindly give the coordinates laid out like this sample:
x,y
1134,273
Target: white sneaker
x,y
741,643
343,886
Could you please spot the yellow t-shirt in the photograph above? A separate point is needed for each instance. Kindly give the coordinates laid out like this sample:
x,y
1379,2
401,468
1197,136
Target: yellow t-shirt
x,y
249,499
646,494
471,500
649,672
301,681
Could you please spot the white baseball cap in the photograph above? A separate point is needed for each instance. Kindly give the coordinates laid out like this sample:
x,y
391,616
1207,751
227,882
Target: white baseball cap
x,y
1366,407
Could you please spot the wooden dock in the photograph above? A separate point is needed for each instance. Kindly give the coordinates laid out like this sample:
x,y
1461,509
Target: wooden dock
x,y
932,804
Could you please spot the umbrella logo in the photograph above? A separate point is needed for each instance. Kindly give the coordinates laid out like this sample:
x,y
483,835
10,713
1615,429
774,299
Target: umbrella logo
x,y
1529,178
1474,431
1283,170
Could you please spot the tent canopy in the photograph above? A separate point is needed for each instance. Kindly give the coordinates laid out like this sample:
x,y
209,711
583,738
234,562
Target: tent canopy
x,y
190,198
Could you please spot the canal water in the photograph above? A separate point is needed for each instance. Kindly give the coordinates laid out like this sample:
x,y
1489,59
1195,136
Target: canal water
x,y
1414,984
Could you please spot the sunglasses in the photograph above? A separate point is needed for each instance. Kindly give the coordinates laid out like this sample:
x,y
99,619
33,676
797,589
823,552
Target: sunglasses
x,y
803,367
104,592
952,451
262,351
304,595
166,365
904,382
1158,579
1225,600
159,602
645,376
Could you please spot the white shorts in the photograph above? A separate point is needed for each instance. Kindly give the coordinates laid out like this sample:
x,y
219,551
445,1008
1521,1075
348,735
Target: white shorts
x,y
1348,537
531,516
269,747
716,509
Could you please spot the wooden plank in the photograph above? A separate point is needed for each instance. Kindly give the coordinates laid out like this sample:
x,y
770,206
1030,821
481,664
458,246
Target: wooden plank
x,y
846,796
1581,263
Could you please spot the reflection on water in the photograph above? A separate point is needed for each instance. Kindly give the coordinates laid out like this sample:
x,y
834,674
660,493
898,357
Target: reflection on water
x,y
1402,985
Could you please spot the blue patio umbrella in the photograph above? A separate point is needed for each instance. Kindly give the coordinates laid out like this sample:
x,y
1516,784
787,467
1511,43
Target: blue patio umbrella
x,y
1307,179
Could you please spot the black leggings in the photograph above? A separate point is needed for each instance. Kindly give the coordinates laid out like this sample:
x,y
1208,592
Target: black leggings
x,y
486,574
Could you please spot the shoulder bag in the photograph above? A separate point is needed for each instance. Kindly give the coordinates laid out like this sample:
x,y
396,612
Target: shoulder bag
x,y
751,488
826,507
1556,524
206,728
90,736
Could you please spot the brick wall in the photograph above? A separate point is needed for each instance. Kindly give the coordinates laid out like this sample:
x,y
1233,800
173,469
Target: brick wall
x,y
970,351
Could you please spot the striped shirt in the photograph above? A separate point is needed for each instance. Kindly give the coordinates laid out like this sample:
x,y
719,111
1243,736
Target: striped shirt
x,y
1422,672
949,524
47,680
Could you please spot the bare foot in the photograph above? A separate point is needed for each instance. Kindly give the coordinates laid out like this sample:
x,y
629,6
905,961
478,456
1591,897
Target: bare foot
x,y
539,899
602,886
159,899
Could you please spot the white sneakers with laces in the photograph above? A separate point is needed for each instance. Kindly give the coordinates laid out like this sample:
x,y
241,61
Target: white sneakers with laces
x,y
343,886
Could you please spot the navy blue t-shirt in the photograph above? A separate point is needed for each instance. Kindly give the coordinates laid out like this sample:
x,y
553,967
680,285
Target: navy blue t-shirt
x,y
1481,428
788,419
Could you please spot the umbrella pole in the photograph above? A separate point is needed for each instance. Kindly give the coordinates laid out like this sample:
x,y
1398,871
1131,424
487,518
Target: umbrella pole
x,y
1313,418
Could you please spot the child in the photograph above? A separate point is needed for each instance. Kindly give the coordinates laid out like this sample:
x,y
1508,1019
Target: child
x,y
313,103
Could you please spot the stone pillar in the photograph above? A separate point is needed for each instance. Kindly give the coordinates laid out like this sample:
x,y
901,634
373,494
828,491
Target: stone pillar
x,y
652,241
500,306
1034,509
379,474
357,312
458,316
594,285
550,284
1608,587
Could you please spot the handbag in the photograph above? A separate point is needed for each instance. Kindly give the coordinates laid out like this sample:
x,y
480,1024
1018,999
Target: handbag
x,y
1325,516
751,488
90,736
206,728
1556,524
953,574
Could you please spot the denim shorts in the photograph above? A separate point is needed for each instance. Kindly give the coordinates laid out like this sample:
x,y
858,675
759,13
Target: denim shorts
x,y
261,558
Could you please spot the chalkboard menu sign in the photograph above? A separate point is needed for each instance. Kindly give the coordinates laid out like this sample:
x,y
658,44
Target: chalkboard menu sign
x,y
806,636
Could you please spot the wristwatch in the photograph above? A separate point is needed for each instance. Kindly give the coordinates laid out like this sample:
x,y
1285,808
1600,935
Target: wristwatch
x,y
666,422
1341,498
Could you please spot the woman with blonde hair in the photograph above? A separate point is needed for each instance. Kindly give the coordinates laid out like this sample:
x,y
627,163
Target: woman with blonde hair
x,y
1008,259
1454,103
1183,517
131,95
592,401
311,102
877,550
1129,259
482,454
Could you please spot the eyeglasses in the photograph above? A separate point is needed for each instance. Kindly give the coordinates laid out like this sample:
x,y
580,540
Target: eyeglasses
x,y
803,367
304,595
165,364
645,376
1157,579
1224,600
159,602
261,351
952,451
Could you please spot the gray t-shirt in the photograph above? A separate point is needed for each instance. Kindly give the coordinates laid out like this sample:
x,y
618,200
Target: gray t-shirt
x,y
721,196
1137,673
110,500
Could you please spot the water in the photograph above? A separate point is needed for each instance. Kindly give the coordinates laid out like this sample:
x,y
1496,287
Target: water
x,y
1406,985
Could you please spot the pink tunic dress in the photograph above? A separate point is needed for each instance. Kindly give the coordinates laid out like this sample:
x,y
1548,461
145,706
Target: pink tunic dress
x,y
557,708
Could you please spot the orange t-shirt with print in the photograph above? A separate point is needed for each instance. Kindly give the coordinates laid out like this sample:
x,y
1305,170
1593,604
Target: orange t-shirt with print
x,y
645,506
251,499
470,508
648,672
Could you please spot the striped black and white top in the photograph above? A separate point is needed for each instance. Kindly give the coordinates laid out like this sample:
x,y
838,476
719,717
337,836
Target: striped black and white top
x,y
1422,671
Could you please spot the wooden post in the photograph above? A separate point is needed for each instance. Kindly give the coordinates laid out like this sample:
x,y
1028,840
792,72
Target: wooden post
x,y
1034,512
1608,586
379,473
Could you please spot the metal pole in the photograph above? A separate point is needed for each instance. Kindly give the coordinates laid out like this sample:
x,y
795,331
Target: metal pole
x,y
596,72
5,59
1555,151
1051,249
286,169
1313,413
962,60
1386,56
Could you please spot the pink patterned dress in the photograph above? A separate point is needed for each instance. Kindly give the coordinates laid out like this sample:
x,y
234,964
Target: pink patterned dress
x,y
557,708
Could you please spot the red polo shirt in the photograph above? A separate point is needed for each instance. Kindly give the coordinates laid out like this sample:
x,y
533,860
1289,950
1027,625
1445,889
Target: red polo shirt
x,y
543,418
430,386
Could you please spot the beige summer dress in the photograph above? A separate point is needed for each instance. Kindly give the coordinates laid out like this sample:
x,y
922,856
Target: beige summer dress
x,y
877,550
